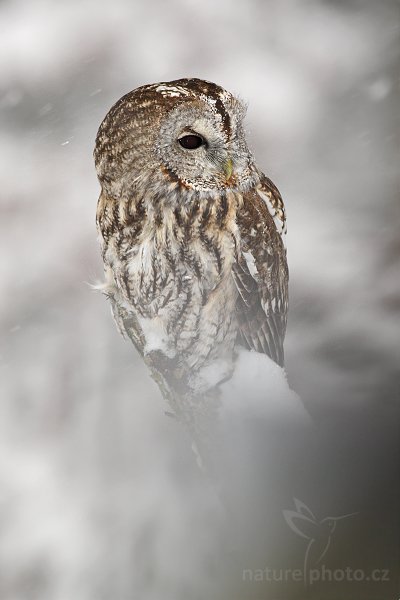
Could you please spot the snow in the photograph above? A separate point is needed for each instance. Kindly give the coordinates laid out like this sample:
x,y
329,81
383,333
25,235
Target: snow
x,y
155,336
259,387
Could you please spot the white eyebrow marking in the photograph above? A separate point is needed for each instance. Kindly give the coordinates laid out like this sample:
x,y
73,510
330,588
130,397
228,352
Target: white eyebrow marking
x,y
170,90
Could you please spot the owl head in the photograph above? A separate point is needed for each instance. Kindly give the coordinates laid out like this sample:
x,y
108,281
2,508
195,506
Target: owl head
x,y
187,132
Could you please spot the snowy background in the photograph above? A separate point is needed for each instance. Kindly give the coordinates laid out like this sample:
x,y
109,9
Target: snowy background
x,y
99,496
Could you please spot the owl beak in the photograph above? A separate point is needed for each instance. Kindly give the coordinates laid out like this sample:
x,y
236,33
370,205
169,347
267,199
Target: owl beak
x,y
228,168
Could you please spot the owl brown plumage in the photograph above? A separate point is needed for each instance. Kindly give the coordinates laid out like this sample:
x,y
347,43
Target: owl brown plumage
x,y
190,231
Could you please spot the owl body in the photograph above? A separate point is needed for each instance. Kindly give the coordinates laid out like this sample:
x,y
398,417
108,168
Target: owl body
x,y
190,231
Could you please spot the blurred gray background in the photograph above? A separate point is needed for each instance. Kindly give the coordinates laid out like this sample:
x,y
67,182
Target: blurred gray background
x,y
97,490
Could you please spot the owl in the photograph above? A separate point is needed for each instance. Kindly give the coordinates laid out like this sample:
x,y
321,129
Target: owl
x,y
191,233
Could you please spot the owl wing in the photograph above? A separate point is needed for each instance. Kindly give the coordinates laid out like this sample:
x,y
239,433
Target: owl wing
x,y
260,271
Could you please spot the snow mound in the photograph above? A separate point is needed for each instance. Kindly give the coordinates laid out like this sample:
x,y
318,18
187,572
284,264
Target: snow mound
x,y
259,387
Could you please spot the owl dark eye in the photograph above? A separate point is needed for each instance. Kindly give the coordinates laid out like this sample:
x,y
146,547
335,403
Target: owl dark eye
x,y
191,142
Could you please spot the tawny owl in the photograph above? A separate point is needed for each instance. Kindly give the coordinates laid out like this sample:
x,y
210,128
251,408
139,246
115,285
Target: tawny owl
x,y
191,232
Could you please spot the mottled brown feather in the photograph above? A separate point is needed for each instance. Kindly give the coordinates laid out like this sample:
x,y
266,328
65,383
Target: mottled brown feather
x,y
263,296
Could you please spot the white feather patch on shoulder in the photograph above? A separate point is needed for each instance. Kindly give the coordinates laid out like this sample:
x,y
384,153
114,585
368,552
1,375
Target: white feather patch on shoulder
x,y
251,265
276,213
